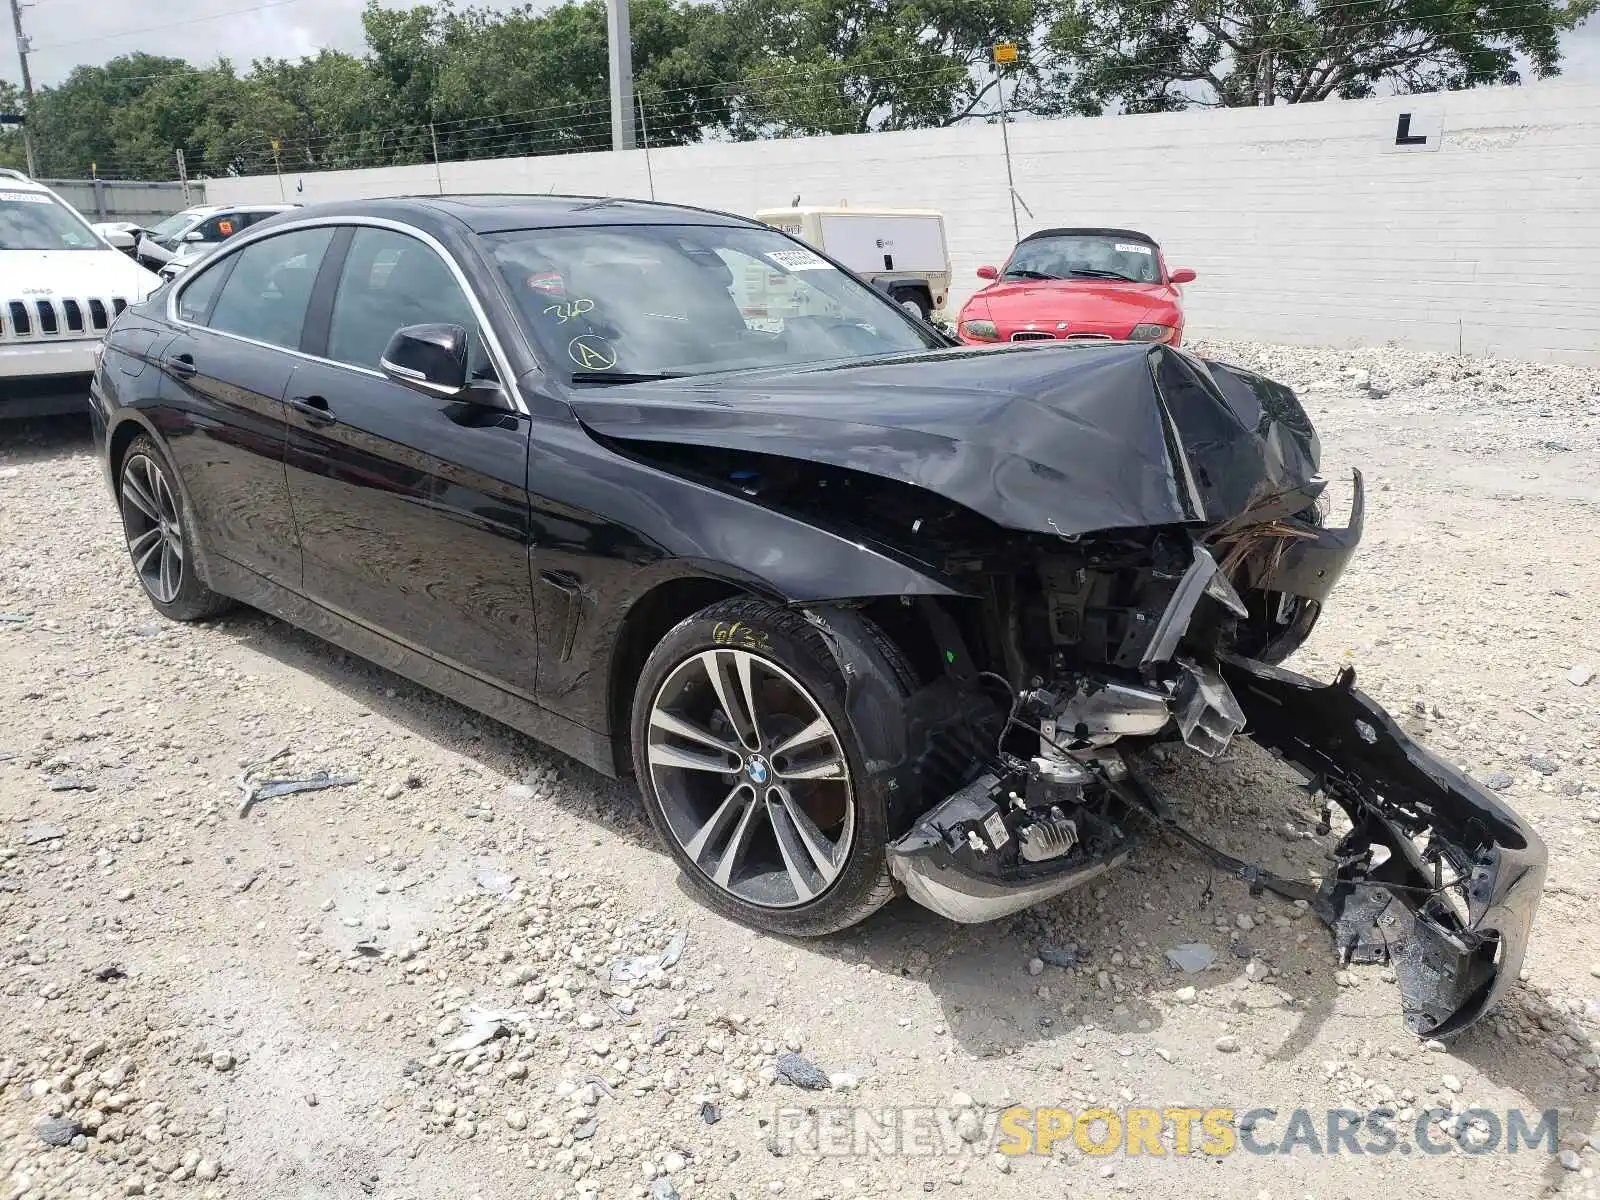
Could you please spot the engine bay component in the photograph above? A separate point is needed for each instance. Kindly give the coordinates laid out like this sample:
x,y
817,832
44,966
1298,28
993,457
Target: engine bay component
x,y
1099,711
1047,837
1207,713
1018,834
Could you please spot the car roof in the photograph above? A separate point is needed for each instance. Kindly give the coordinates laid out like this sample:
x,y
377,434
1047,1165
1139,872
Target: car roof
x,y
1132,235
12,180
202,211
504,213
845,210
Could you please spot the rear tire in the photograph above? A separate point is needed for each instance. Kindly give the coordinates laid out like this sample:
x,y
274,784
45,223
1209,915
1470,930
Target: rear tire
x,y
770,819
160,535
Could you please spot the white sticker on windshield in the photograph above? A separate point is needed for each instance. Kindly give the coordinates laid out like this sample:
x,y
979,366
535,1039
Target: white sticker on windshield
x,y
1132,248
24,198
799,260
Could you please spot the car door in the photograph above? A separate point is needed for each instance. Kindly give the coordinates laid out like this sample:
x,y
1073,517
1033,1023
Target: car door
x,y
411,509
239,321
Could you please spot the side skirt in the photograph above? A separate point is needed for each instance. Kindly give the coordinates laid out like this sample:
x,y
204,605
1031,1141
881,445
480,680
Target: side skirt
x,y
586,745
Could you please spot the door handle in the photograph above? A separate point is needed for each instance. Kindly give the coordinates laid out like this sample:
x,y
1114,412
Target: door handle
x,y
181,365
315,410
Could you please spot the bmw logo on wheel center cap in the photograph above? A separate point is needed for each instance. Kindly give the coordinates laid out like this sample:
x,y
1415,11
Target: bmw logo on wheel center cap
x,y
756,768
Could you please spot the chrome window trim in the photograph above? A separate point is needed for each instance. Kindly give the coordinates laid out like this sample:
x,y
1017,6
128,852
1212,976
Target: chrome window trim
x,y
397,369
249,236
419,379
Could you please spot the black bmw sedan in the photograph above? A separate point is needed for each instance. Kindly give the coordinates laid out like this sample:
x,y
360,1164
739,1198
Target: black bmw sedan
x,y
864,611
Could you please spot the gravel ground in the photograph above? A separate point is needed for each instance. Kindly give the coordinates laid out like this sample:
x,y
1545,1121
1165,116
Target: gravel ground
x,y
280,1005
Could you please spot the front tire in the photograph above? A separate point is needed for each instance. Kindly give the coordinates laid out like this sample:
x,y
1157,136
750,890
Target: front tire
x,y
751,774
160,535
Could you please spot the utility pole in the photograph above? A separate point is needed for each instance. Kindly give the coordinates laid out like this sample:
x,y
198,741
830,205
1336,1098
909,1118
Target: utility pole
x,y
1005,53
183,175
27,87
619,34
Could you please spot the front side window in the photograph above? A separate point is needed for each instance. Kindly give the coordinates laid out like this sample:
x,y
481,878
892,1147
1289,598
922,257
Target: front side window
x,y
194,302
391,280
1085,256
269,289
671,300
38,221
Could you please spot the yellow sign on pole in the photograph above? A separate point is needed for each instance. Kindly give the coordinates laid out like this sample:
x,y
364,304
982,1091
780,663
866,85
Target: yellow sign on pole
x,y
276,145
1005,53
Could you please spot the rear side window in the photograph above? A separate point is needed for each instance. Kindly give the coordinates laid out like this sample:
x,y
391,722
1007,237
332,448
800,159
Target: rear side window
x,y
269,289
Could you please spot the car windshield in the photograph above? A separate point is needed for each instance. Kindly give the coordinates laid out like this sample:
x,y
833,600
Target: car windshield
x,y
1084,256
176,223
37,221
618,303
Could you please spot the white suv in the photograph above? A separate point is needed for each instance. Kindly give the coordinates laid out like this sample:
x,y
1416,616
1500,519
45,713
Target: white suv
x,y
61,287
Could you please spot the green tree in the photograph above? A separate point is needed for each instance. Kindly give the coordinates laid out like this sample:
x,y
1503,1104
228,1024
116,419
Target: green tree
x,y
12,153
856,66
72,123
221,122
338,102
524,82
1148,57
531,82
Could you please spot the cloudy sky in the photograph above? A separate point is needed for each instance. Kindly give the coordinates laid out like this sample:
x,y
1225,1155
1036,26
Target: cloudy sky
x,y
68,32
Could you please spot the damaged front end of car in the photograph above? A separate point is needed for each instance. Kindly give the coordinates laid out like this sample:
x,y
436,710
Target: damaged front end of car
x,y
1119,546
1434,876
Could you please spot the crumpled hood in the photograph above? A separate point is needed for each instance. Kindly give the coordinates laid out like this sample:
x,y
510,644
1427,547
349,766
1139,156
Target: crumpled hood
x,y
73,275
1058,438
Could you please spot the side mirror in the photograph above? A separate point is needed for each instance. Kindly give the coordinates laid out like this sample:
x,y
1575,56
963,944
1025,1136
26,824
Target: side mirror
x,y
431,359
1183,275
988,273
194,235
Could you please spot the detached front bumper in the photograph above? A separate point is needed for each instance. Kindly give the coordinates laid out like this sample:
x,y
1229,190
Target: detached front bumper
x,y
1435,877
1451,905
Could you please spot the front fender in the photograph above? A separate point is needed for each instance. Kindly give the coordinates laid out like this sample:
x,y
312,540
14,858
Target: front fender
x,y
652,513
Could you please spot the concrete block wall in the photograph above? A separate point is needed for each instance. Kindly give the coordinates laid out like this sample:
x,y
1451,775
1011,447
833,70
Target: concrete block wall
x,y
1317,224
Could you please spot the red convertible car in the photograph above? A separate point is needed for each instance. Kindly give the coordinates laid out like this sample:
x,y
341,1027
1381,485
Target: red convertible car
x,y
1098,284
